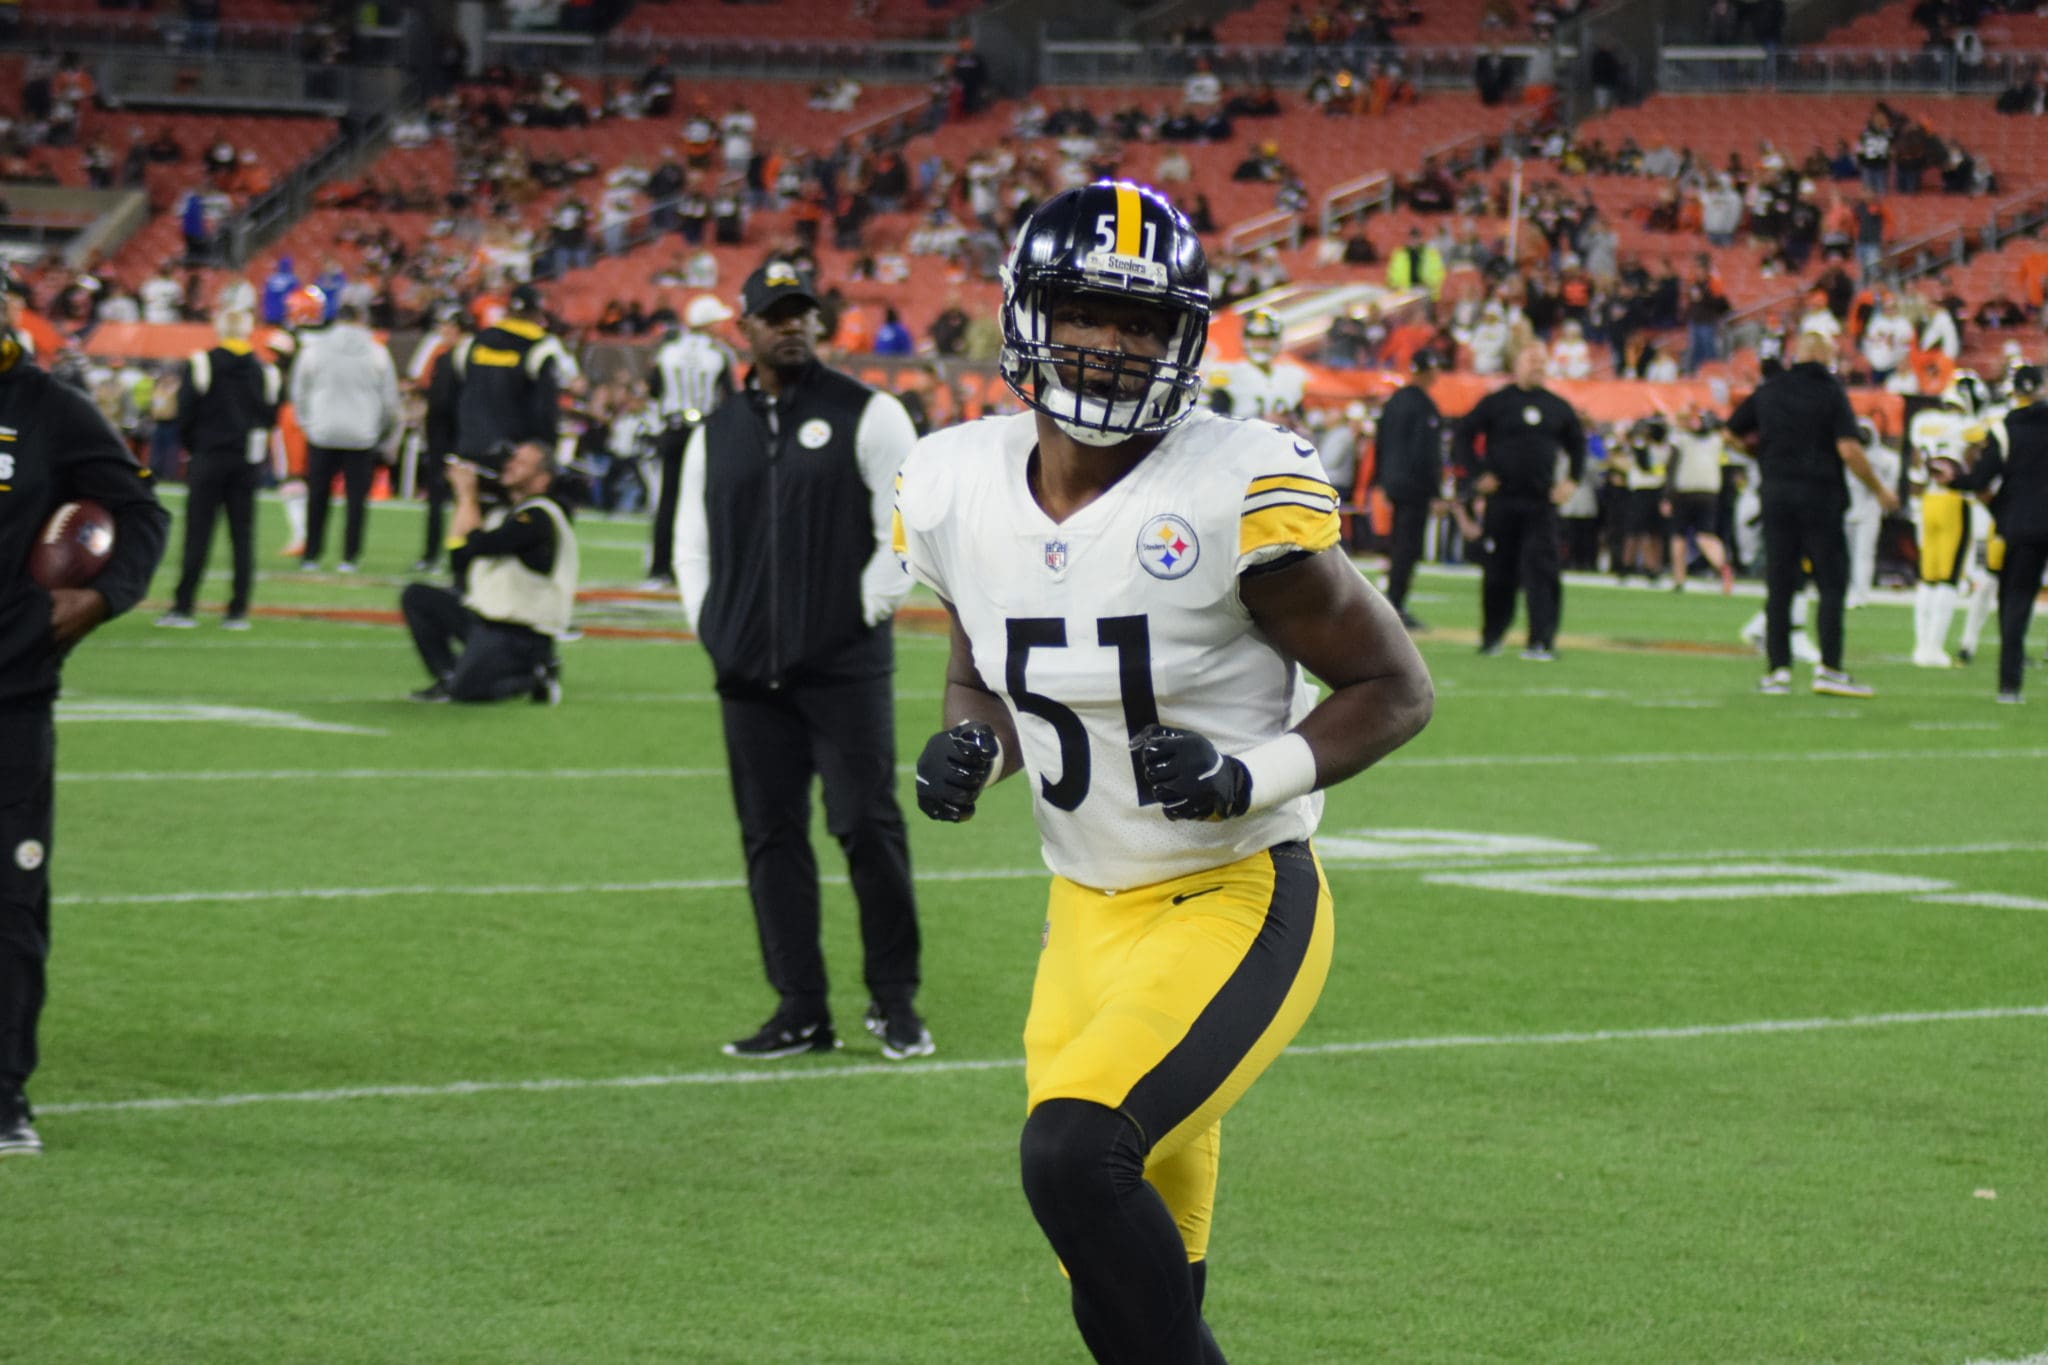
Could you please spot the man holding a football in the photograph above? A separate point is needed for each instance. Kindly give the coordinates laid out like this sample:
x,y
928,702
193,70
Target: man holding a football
x,y
80,534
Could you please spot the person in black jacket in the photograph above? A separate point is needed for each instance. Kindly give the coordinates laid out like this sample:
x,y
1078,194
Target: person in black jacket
x,y
1804,432
1526,430
226,407
2014,461
787,575
511,377
442,392
1408,467
55,447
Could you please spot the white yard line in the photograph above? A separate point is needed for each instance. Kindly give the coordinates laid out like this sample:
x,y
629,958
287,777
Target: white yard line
x,y
1454,863
862,1071
1442,761
1987,900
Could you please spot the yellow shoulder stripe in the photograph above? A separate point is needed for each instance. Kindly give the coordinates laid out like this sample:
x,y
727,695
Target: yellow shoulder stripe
x,y
1299,483
491,355
1290,525
896,540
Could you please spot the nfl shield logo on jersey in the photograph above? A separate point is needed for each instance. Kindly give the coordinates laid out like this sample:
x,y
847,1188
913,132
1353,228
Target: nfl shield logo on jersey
x,y
1056,555
1167,547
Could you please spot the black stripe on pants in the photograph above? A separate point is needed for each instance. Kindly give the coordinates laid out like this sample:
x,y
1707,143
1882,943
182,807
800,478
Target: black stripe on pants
x,y
1404,549
497,661
28,765
1802,536
357,468
662,554
434,482
214,482
843,734
1521,553
2019,583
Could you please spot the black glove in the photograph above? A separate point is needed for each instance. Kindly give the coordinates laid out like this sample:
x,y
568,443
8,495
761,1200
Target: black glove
x,y
955,765
1191,780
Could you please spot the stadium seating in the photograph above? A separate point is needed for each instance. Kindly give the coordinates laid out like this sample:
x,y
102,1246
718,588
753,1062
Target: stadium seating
x,y
1892,28
1444,23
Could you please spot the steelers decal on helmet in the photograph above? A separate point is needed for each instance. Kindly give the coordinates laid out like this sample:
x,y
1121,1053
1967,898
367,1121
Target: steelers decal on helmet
x,y
1167,547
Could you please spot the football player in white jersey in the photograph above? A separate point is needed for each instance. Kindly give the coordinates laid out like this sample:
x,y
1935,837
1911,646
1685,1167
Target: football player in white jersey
x,y
1139,589
1264,385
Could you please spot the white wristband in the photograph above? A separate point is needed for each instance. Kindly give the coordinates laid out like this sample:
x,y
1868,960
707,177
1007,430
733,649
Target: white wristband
x,y
1281,770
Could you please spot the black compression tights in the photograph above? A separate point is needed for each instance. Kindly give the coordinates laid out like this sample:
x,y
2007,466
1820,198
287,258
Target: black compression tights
x,y
1137,1300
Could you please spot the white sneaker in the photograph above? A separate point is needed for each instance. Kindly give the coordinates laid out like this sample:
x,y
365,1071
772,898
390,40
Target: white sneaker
x,y
346,566
176,620
1832,682
1931,658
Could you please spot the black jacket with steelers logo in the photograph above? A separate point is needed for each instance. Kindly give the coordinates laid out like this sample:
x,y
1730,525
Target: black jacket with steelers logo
x,y
790,528
1525,430
55,448
510,379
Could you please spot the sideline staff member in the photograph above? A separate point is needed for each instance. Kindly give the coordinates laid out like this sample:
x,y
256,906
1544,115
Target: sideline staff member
x,y
511,378
1408,466
2015,462
692,375
226,407
520,566
54,448
1804,432
788,575
1526,427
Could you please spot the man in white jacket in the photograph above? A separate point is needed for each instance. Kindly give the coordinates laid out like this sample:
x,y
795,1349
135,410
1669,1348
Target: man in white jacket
x,y
345,392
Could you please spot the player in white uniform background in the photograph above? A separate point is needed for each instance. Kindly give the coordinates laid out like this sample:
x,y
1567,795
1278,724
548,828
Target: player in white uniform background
x,y
1265,385
1138,590
1944,435
1865,518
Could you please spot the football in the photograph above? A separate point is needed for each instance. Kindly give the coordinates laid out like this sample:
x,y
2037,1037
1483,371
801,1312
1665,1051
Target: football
x,y
73,547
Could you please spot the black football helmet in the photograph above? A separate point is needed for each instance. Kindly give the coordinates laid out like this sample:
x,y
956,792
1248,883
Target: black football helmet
x,y
1127,242
1262,338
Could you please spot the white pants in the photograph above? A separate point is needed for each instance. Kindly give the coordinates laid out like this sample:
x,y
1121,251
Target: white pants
x,y
1863,554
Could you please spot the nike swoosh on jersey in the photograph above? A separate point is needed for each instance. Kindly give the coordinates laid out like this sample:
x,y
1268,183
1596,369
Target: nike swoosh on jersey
x,y
1190,895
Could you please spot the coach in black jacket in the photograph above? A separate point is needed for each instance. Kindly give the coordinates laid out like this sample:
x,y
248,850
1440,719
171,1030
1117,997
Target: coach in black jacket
x,y
784,562
226,407
2015,463
1527,429
54,448
1408,467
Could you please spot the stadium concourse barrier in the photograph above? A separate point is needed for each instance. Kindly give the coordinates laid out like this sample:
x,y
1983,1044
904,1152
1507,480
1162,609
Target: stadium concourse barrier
x,y
976,388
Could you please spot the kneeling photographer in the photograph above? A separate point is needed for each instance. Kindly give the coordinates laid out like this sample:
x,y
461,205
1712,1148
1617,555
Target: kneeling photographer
x,y
516,567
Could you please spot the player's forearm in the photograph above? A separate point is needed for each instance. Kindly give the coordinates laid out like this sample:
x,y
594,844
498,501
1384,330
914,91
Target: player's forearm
x,y
1362,722
966,701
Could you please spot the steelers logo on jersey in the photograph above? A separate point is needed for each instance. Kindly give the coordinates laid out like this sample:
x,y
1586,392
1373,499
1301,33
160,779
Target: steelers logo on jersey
x,y
1533,415
813,434
1167,547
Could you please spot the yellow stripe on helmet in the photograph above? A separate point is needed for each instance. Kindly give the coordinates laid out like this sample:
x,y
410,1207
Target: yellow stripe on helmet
x,y
1130,219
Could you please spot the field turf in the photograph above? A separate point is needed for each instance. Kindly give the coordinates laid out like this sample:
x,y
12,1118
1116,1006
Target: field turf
x,y
1669,1023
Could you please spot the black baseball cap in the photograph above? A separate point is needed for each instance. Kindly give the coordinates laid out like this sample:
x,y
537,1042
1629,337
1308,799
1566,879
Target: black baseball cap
x,y
525,299
2026,380
771,284
1426,361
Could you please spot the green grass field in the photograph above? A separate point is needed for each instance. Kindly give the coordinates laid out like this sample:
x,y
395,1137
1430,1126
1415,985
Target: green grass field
x,y
1668,1024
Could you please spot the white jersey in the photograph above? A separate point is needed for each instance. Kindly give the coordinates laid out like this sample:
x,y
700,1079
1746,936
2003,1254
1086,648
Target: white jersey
x,y
1125,613
1256,392
1942,434
1884,462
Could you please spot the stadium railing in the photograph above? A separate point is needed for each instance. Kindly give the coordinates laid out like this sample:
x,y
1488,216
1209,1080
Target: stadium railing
x,y
1840,71
1119,63
259,222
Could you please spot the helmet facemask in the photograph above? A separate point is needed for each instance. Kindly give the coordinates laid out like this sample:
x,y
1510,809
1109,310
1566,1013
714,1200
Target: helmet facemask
x,y
1031,364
